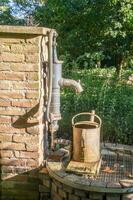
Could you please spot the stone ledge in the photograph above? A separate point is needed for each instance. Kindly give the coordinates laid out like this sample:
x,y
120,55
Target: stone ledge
x,y
79,183
30,30
57,172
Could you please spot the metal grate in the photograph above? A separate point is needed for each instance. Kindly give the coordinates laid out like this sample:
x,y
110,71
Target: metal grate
x,y
120,164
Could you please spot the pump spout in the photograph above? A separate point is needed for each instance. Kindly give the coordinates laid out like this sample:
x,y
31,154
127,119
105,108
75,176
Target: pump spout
x,y
63,82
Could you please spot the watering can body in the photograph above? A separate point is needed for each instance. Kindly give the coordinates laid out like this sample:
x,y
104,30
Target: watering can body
x,y
86,139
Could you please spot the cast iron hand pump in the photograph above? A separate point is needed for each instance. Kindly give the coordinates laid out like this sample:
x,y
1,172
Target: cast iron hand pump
x,y
55,83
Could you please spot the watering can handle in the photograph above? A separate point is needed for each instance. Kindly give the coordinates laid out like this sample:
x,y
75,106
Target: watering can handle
x,y
86,113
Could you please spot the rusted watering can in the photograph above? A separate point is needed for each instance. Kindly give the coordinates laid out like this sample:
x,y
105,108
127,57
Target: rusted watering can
x,y
86,138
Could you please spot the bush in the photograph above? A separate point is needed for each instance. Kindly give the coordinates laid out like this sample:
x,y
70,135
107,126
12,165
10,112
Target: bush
x,y
112,99
84,61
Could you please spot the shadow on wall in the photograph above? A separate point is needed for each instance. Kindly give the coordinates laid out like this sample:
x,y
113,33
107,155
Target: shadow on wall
x,y
22,122
20,182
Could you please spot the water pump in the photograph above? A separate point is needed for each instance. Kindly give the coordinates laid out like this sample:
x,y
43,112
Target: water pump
x,y
55,82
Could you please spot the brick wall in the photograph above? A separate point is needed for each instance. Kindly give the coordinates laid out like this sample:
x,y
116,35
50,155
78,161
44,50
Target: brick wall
x,y
51,189
20,133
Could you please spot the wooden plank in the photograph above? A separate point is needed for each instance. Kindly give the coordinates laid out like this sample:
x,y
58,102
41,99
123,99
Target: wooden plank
x,y
83,168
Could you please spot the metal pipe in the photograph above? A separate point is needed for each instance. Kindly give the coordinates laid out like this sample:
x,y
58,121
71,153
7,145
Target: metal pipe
x,y
50,61
63,82
57,74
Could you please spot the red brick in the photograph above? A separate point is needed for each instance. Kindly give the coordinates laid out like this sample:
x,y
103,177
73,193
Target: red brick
x,y
31,147
31,163
54,187
16,154
17,48
80,193
5,137
13,162
6,169
11,111
15,169
12,40
58,184
62,193
22,122
113,197
33,130
13,177
33,120
32,76
6,176
0,58
4,103
55,196
4,85
6,154
31,49
44,171
4,66
14,119
10,129
24,104
5,120
26,154
4,48
12,76
26,85
96,195
20,178
24,67
12,146
26,138
32,58
11,57
32,95
32,40
73,197
11,94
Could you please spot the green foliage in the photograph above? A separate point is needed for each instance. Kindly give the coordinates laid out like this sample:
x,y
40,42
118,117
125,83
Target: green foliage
x,y
112,100
91,34
87,29
15,12
91,27
24,7
85,61
6,14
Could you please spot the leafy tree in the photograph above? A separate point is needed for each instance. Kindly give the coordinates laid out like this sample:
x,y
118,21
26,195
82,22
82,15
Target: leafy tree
x,y
15,12
24,7
91,31
5,12
118,32
98,28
